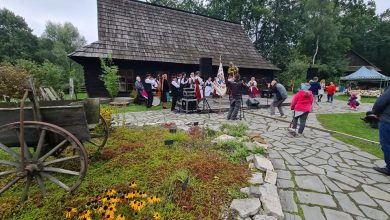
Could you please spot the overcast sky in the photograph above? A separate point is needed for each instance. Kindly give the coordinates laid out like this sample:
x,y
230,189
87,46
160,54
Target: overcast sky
x,y
81,13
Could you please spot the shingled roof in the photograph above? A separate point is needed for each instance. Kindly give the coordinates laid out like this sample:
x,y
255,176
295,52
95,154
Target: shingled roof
x,y
133,30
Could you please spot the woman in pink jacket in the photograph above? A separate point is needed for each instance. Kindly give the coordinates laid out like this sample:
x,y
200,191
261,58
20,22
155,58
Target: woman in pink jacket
x,y
302,105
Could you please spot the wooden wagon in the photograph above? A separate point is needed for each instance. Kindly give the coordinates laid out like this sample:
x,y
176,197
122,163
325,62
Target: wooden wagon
x,y
41,143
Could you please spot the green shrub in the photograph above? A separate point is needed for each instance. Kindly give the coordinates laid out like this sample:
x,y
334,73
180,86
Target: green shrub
x,y
110,76
13,81
236,130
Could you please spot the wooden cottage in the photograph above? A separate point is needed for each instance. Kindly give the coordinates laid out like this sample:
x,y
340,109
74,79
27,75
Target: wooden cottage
x,y
143,37
356,61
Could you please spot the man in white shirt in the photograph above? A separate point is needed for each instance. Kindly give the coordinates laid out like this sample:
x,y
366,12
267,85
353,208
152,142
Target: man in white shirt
x,y
175,90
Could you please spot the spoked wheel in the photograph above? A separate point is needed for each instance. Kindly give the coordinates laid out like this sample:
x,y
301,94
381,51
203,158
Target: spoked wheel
x,y
52,157
99,134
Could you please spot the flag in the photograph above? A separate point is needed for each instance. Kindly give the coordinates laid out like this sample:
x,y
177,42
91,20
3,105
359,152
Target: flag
x,y
219,82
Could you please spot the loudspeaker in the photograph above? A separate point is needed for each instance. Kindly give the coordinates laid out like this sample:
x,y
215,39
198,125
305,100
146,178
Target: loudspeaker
x,y
311,73
205,66
189,105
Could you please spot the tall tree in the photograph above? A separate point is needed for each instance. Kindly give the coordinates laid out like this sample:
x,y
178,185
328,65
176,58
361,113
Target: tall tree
x,y
57,41
16,38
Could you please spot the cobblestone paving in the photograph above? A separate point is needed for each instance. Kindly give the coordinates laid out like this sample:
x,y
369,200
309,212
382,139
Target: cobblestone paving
x,y
319,177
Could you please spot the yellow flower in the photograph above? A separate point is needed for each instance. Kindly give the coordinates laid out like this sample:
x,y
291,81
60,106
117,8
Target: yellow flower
x,y
86,215
156,216
130,195
132,185
120,217
70,212
110,192
154,199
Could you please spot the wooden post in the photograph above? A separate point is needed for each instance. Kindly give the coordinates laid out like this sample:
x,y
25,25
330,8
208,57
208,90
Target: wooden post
x,y
71,89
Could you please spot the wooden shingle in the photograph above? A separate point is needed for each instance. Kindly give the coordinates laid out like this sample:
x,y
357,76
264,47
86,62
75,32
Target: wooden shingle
x,y
134,30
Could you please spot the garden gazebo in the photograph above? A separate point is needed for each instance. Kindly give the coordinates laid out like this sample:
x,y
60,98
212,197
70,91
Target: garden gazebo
x,y
368,75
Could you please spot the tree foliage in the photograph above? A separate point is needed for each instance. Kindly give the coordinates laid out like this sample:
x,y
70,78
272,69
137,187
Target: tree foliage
x,y
286,29
16,38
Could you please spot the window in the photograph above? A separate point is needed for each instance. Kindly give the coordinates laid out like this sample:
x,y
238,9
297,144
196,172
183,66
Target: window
x,y
126,80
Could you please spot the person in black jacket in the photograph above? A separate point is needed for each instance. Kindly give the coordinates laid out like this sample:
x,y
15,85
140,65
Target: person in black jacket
x,y
315,87
149,83
235,95
175,91
382,110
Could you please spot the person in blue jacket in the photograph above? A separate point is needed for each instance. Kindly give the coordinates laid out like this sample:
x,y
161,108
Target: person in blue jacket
x,y
381,109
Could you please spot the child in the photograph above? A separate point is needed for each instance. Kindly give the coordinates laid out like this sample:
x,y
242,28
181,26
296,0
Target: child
x,y
353,101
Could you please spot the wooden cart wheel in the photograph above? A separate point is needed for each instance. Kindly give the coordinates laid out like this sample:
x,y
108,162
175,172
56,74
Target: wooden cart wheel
x,y
53,157
99,134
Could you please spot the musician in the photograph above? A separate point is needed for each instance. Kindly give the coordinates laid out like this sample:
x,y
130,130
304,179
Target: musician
x,y
149,84
198,85
253,91
164,90
175,91
208,87
235,86
183,82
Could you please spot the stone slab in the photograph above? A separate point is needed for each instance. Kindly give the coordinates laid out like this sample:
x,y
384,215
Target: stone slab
x,y
287,201
374,213
362,198
310,183
284,184
256,179
347,205
246,207
270,177
316,199
312,213
376,193
262,163
270,201
333,214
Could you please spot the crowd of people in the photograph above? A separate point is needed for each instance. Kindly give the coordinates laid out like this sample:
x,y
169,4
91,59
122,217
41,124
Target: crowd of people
x,y
154,89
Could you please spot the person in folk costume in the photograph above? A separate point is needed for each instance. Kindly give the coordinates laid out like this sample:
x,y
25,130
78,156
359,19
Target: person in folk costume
x,y
139,87
164,90
157,87
208,87
253,91
149,84
191,80
198,86
175,91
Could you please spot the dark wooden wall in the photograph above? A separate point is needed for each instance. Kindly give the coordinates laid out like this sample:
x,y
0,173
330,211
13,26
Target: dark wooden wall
x,y
95,87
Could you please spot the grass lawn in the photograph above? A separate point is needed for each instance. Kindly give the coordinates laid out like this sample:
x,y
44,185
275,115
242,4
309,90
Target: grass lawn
x,y
350,123
364,99
80,96
135,108
193,178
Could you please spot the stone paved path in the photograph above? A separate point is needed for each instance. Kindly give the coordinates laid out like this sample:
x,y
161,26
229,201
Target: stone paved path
x,y
319,176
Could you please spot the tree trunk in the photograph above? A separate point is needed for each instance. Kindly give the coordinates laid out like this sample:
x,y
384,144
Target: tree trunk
x,y
315,54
